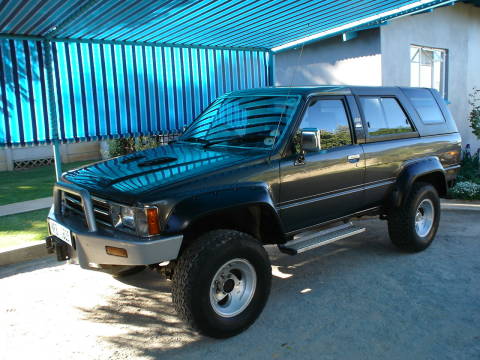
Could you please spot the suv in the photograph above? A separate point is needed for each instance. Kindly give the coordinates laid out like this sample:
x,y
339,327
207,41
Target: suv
x,y
285,166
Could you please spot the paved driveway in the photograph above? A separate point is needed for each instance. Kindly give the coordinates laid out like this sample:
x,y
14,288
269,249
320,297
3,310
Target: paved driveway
x,y
356,299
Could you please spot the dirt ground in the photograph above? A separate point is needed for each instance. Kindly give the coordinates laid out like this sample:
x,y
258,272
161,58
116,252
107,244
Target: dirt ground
x,y
356,299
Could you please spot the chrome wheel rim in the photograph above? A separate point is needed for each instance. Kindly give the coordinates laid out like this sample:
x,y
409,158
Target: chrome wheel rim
x,y
233,287
424,217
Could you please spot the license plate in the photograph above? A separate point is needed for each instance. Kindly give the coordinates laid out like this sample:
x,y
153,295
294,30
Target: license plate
x,y
61,232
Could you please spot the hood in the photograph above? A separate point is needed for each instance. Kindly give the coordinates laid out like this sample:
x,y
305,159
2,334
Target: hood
x,y
129,178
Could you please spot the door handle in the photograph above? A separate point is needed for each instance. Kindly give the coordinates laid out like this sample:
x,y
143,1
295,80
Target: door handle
x,y
353,158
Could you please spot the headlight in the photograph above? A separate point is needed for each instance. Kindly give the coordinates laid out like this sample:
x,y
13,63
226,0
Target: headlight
x,y
127,217
142,221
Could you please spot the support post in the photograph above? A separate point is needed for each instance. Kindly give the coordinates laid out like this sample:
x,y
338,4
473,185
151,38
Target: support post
x,y
51,90
271,68
47,54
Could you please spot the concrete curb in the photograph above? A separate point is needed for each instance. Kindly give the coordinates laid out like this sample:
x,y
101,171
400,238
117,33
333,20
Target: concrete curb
x,y
29,251
460,205
36,250
25,206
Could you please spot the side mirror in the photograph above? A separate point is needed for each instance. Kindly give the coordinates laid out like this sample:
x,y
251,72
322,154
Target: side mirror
x,y
310,139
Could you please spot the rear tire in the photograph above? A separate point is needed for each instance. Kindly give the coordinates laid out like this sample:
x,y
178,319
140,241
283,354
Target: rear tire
x,y
412,227
221,283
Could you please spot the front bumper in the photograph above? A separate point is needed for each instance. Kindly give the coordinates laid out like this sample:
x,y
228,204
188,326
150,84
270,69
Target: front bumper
x,y
89,245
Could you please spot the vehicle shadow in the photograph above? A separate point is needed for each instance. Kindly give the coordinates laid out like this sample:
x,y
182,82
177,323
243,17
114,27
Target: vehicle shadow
x,y
150,327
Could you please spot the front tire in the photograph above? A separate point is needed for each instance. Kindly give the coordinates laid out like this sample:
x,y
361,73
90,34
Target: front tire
x,y
221,283
413,226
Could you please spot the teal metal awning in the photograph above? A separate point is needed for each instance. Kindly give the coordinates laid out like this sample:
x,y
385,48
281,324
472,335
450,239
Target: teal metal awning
x,y
90,69
261,24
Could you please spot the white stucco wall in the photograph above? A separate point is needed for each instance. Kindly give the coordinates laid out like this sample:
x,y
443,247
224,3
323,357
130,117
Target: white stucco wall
x,y
87,150
332,61
455,28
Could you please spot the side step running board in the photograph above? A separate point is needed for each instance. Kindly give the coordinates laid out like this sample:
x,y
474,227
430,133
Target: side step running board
x,y
313,239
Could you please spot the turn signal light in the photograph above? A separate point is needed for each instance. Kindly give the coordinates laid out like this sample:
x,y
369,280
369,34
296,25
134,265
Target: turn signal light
x,y
152,221
116,251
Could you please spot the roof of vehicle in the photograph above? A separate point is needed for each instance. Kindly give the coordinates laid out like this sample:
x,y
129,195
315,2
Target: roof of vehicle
x,y
308,90
294,90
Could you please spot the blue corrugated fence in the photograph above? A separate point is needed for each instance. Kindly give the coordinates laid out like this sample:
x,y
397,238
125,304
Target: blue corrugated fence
x,y
23,100
109,90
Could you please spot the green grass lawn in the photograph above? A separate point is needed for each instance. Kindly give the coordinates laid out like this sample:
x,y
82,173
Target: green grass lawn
x,y
21,228
30,184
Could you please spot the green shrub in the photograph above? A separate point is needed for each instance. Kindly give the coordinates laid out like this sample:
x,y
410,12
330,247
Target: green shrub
x,y
465,190
468,179
118,147
124,146
474,116
470,170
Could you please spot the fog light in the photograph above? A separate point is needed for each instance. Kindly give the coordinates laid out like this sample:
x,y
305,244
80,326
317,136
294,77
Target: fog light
x,y
116,251
152,221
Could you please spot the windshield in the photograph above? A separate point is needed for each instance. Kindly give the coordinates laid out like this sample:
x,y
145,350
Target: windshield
x,y
247,121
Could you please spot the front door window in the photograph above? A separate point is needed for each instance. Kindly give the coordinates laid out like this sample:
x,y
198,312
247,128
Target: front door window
x,y
330,118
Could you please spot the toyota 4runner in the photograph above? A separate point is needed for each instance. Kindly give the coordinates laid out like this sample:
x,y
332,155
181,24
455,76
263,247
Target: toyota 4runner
x,y
285,166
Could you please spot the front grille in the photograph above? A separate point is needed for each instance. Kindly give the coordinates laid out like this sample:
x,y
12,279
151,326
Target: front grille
x,y
72,203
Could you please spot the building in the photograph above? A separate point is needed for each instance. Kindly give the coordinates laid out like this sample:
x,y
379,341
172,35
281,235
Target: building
x,y
439,49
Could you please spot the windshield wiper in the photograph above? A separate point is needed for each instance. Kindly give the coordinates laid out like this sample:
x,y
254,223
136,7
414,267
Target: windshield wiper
x,y
238,139
206,143
196,140
210,143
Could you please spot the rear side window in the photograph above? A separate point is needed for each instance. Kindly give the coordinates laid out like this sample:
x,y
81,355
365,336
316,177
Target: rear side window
x,y
384,116
426,106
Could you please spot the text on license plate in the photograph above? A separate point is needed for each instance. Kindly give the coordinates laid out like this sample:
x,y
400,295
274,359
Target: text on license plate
x,y
60,231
